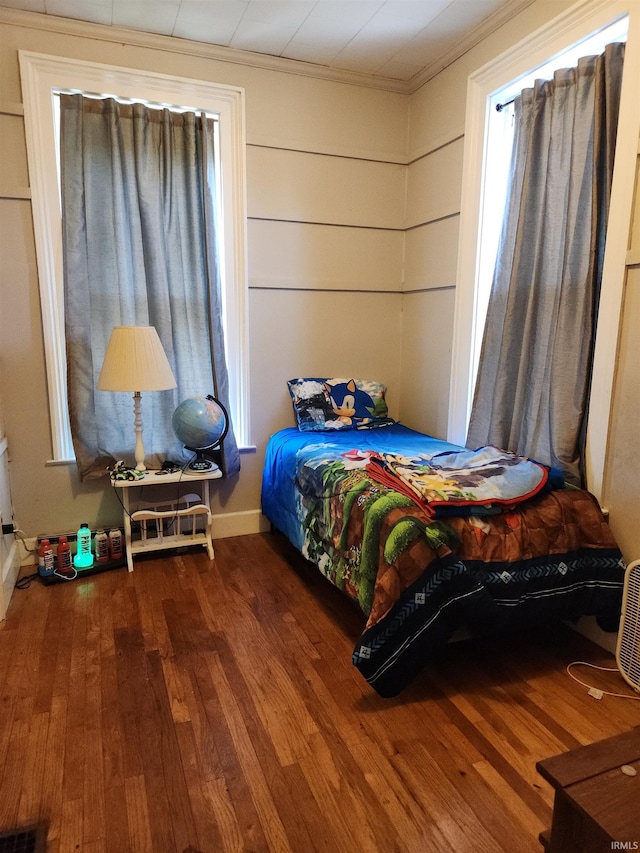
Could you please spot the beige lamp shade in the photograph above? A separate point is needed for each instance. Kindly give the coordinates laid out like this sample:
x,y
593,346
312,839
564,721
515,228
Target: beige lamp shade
x,y
135,361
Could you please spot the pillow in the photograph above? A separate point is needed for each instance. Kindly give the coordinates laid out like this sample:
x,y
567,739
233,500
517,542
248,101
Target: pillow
x,y
331,404
310,403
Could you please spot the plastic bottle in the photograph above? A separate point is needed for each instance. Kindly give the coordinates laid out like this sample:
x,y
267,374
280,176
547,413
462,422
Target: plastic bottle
x,y
115,544
45,558
83,558
101,543
65,564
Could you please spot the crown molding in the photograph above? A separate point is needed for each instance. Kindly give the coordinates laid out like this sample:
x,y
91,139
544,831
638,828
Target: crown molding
x,y
173,44
218,53
464,45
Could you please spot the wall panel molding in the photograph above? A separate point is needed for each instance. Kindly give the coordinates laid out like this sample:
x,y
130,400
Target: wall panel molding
x,y
11,108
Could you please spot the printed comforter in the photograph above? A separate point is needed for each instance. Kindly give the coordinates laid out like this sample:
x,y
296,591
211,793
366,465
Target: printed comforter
x,y
420,575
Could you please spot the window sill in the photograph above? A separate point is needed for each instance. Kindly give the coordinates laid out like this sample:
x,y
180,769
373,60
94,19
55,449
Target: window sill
x,y
249,448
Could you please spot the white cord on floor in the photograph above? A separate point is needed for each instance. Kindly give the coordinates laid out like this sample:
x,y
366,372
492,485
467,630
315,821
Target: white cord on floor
x,y
600,693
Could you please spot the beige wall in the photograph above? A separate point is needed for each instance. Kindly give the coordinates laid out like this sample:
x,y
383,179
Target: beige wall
x,y
623,472
5,496
436,132
435,156
353,202
432,218
325,165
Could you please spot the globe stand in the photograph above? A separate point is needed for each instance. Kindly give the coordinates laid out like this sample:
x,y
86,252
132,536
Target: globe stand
x,y
200,465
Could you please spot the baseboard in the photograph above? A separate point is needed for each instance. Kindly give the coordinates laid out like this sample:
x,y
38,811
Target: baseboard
x,y
10,572
224,524
238,523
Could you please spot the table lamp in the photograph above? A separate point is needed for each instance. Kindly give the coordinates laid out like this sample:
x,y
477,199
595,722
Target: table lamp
x,y
135,361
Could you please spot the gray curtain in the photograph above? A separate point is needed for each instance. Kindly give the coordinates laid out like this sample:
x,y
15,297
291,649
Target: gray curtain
x,y
532,389
139,249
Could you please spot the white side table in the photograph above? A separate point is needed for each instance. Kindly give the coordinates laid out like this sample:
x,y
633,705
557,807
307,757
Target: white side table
x,y
183,521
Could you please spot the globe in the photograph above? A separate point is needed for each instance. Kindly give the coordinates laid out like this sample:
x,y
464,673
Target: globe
x,y
200,423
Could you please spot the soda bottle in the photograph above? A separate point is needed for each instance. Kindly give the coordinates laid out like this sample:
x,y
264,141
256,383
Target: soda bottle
x,y
45,558
65,565
83,558
101,542
115,543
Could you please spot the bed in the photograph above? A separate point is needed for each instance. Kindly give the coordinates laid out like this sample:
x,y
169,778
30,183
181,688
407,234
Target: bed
x,y
425,558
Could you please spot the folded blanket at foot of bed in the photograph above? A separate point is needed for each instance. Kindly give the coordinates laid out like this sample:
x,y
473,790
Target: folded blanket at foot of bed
x,y
464,482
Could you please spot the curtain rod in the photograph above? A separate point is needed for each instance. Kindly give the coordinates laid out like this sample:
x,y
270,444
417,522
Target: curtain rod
x,y
500,107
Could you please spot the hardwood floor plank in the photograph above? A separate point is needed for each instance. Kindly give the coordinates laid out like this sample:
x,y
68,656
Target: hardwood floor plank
x,y
93,790
50,809
131,674
6,693
73,763
175,691
140,836
232,777
498,754
150,736
203,724
389,789
529,824
347,816
112,730
212,707
270,820
464,770
32,794
45,682
169,800
303,824
71,825
94,847
22,666
63,640
208,831
117,819
13,779
419,773
224,813
239,794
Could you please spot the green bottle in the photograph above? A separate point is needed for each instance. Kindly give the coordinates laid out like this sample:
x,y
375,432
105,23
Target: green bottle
x,y
83,558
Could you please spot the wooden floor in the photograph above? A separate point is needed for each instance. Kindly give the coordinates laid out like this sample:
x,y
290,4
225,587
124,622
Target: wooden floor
x,y
197,706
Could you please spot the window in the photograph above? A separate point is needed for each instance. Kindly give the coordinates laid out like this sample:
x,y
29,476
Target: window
x,y
499,144
42,77
486,87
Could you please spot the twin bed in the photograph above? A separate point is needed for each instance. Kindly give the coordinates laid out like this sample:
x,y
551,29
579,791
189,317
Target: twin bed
x,y
429,538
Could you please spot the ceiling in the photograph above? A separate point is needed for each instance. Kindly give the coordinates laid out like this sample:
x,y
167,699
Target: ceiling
x,y
393,41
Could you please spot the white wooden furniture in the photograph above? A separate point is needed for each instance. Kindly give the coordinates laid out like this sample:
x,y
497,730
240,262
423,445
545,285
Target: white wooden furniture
x,y
175,513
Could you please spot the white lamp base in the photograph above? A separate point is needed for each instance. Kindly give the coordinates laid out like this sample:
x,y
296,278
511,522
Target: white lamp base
x,y
137,423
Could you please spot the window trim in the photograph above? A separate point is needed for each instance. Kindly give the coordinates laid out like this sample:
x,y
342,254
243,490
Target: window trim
x,y
41,76
560,34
